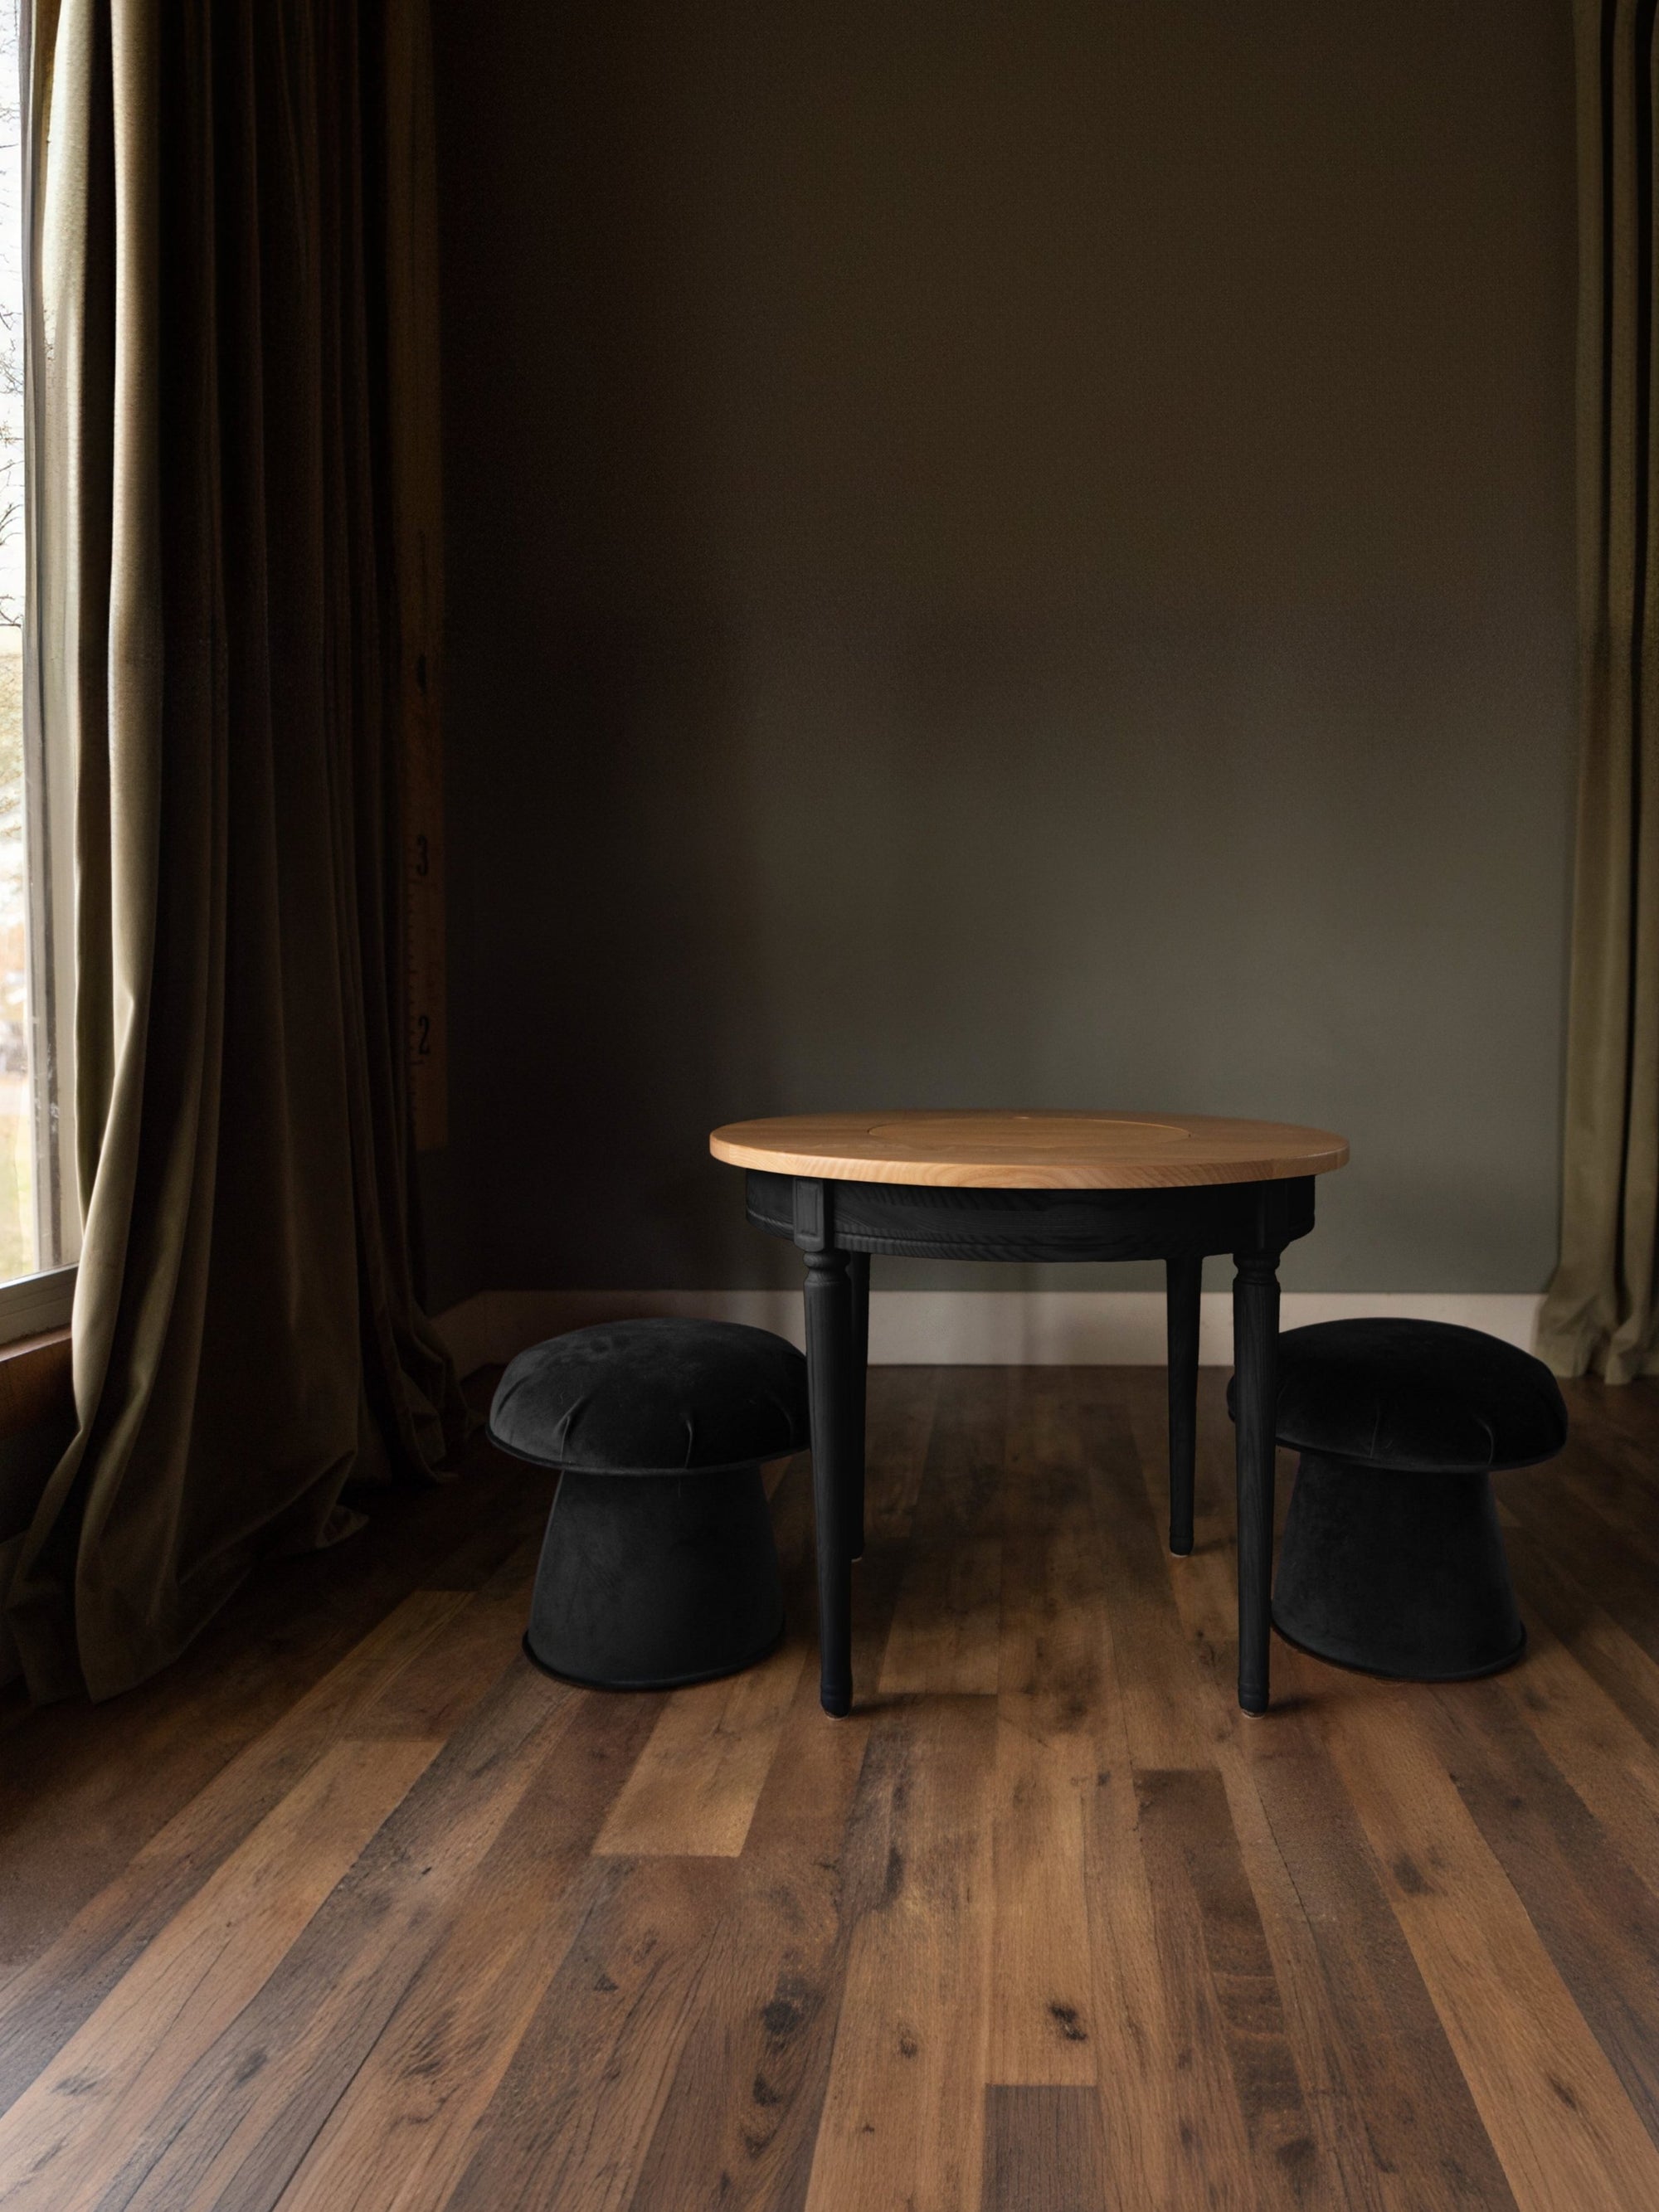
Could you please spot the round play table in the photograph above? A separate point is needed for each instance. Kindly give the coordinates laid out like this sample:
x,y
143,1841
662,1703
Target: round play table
x,y
1035,1186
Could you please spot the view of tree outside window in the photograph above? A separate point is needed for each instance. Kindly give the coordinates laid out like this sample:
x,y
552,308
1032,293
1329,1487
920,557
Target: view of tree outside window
x,y
18,1254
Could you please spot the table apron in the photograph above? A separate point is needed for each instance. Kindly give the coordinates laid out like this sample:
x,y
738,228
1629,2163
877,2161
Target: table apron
x,y
951,1222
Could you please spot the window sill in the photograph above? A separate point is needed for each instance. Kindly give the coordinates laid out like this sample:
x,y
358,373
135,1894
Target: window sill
x,y
35,1305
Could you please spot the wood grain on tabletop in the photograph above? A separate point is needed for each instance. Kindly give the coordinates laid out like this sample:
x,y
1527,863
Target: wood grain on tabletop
x,y
1030,1150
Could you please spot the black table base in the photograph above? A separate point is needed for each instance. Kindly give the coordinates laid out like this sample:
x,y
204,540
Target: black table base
x,y
837,1225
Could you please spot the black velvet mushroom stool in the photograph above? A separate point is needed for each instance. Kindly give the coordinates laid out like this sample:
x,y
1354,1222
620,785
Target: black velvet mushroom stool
x,y
660,1566
1392,1559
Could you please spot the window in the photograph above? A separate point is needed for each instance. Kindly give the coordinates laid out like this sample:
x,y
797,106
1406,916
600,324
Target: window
x,y
39,1215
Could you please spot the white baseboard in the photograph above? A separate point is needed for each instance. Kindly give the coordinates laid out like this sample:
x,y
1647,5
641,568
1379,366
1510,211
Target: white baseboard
x,y
967,1329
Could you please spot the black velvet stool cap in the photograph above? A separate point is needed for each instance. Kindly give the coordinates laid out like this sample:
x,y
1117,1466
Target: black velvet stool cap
x,y
653,1397
1420,1397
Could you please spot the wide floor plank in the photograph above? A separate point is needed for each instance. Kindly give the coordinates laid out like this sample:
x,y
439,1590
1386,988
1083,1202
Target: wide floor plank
x,y
401,2134
1050,1663
903,2112
575,2108
693,1789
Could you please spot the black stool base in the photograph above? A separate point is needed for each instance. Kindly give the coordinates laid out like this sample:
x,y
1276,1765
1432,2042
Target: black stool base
x,y
651,1581
1402,1575
681,1682
1383,1674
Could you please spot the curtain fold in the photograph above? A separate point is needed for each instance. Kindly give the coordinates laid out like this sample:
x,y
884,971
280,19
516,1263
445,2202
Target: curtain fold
x,y
1599,1312
236,565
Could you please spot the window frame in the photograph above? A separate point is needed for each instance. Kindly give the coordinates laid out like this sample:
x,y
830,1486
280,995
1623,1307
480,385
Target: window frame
x,y
35,1303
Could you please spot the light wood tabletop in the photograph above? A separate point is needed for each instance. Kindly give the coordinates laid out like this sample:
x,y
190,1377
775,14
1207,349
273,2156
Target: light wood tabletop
x,y
1035,1150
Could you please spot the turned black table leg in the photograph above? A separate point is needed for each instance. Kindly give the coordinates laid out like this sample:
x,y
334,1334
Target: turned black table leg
x,y
1255,1369
858,1270
835,1463
1184,1286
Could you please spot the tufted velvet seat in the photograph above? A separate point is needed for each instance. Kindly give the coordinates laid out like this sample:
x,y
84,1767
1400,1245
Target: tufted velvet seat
x,y
1392,1559
658,1566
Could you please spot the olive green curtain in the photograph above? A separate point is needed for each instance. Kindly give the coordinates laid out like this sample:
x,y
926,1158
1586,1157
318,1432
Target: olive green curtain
x,y
235,598
1600,1314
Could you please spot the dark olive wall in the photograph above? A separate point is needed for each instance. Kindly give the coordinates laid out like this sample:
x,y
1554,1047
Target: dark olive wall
x,y
1006,555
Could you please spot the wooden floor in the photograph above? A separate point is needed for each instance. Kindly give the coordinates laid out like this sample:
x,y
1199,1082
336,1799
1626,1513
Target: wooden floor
x,y
355,1909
